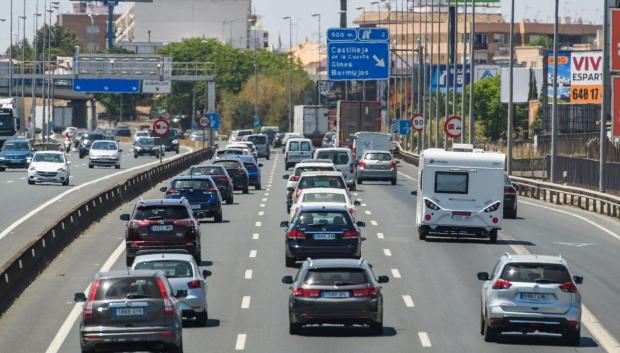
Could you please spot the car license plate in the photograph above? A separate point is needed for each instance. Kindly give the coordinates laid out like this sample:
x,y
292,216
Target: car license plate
x,y
335,294
461,215
535,297
195,206
129,312
329,236
161,228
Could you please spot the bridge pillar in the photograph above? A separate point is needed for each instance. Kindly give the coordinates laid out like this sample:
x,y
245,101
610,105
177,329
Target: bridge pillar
x,y
78,116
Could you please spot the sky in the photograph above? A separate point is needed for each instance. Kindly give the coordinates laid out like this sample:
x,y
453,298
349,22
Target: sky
x,y
270,14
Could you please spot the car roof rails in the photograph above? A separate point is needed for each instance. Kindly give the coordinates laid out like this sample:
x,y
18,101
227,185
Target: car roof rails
x,y
508,255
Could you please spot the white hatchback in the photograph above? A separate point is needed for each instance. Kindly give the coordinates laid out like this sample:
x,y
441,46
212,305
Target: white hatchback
x,y
49,166
325,197
104,153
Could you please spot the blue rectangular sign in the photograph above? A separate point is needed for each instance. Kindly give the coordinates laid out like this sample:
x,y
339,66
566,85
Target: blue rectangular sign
x,y
405,127
214,119
358,54
106,86
439,74
395,127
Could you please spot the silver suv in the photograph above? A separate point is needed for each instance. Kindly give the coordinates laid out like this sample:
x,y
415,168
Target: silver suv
x,y
529,293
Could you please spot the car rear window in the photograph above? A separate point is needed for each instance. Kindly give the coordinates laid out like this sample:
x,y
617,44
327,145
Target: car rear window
x,y
93,137
258,140
245,132
206,171
324,197
191,184
451,182
229,164
321,181
323,218
336,277
229,152
128,288
378,156
535,273
16,146
300,170
305,146
338,157
161,212
293,146
171,268
103,145
249,166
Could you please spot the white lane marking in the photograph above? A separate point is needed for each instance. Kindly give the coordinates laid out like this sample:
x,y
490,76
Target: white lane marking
x,y
380,235
408,301
261,213
266,194
576,216
255,236
424,339
408,177
262,205
387,252
364,205
368,212
9,181
253,253
602,335
22,178
245,302
75,312
355,194
258,224
240,344
248,274
395,273
264,199
53,200
374,223
268,188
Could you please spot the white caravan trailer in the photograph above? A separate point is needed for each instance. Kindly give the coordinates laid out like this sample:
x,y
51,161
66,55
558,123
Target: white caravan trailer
x,y
460,193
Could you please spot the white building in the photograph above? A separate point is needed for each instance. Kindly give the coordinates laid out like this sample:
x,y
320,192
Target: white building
x,y
173,20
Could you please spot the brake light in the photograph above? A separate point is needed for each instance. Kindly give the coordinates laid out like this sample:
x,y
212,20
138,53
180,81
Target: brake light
x,y
392,165
222,178
502,284
241,171
509,190
296,234
173,192
87,311
430,204
295,178
351,210
568,287
494,207
297,192
209,191
366,292
361,164
194,284
351,234
168,308
351,169
301,292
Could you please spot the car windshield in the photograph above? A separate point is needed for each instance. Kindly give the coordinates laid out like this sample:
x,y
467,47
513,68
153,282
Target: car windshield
x,y
321,181
191,184
373,156
229,152
535,273
171,268
323,218
324,197
161,212
338,157
92,137
103,145
336,277
249,165
16,146
293,146
206,171
128,288
48,157
300,170
244,132
146,141
258,140
229,164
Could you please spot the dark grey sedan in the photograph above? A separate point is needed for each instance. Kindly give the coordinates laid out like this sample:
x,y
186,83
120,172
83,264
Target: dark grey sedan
x,y
335,291
131,311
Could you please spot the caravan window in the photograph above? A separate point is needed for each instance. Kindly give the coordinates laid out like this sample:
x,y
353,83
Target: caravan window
x,y
451,182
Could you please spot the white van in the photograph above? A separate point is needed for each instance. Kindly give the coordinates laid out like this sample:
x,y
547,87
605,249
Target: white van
x,y
376,141
343,160
460,193
296,150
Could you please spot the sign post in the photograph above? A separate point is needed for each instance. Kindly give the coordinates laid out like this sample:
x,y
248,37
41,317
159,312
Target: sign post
x,y
453,126
615,106
203,122
161,128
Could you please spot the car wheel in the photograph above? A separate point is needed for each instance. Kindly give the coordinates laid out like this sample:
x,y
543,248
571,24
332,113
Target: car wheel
x,y
218,217
288,209
289,261
493,236
66,182
359,181
128,260
394,181
376,328
572,337
246,190
82,154
202,318
257,187
30,182
2,169
177,151
230,200
90,166
267,157
176,349
294,329
490,333
198,257
118,166
135,155
422,233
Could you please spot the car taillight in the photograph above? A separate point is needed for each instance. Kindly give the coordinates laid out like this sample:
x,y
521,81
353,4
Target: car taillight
x,y
392,165
366,292
509,190
351,169
301,292
296,234
352,233
295,178
222,178
351,210
173,192
168,308
297,192
430,204
502,284
87,311
361,164
209,191
241,171
194,284
494,207
568,287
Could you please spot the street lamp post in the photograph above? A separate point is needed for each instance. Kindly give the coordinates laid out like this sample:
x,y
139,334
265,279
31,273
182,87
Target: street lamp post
x,y
318,90
472,67
11,51
363,9
554,114
252,22
510,90
33,112
290,70
464,71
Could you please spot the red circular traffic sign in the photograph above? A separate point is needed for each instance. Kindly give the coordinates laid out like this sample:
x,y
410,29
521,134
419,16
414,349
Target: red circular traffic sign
x,y
418,122
453,126
204,121
161,127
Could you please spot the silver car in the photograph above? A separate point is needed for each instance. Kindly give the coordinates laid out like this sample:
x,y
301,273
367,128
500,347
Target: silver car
x,y
377,165
261,143
183,273
530,293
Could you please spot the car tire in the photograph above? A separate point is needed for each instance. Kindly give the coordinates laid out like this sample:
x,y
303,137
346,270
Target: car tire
x,y
82,155
246,190
289,261
66,182
176,349
218,217
135,155
359,181
493,236
2,169
257,187
267,157
230,200
294,329
90,166
31,182
198,257
490,333
128,260
202,318
422,233
572,337
118,166
353,187
288,209
394,181
376,328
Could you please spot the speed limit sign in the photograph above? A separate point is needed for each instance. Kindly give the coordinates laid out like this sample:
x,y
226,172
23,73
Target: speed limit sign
x,y
161,127
453,126
418,122
204,122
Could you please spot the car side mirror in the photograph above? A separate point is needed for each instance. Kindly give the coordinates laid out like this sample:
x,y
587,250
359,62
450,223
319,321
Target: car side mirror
x,y
284,224
578,279
397,162
361,224
79,297
285,176
414,193
357,202
260,165
206,273
290,189
287,280
181,293
120,150
124,217
163,189
483,276
383,279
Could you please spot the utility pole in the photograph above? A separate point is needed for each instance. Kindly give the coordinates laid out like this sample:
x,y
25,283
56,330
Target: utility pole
x,y
453,46
463,69
437,83
33,110
363,9
426,112
253,19
554,114
318,82
606,103
510,90
432,68
472,67
290,70
11,51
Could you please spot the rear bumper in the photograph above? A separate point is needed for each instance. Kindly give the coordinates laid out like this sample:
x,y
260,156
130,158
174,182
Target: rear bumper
x,y
13,164
128,338
254,180
131,248
240,183
366,174
102,161
335,311
302,252
543,322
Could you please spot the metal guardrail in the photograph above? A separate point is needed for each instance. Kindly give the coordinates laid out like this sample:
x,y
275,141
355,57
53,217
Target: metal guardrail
x,y
558,194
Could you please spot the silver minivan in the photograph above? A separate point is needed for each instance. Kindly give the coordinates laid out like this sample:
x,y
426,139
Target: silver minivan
x,y
296,150
261,143
343,161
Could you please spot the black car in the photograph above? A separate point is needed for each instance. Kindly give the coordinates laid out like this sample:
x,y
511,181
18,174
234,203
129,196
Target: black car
x,y
236,170
123,131
147,146
322,232
220,176
171,141
335,291
87,139
510,199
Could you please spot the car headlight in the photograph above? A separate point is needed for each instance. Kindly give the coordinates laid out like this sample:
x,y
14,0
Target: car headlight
x,y
61,169
175,141
32,169
28,159
138,148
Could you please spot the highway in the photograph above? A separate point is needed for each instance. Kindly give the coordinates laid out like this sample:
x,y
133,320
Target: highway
x,y
432,302
34,206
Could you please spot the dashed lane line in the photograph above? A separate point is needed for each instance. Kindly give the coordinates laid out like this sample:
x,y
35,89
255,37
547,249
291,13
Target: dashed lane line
x,y
258,224
368,212
380,235
240,343
408,301
264,199
262,205
364,205
245,302
374,223
255,236
261,213
387,252
248,274
408,177
424,339
395,273
253,253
